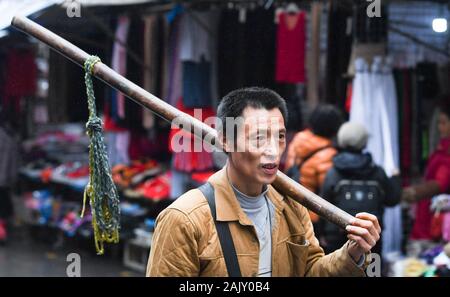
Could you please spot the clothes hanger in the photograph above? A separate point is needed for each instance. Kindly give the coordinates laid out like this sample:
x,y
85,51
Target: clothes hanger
x,y
292,8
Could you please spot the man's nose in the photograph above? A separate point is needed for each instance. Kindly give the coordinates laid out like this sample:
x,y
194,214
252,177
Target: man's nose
x,y
271,151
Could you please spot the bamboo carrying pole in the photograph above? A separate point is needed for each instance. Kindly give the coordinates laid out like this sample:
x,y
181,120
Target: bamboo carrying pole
x,y
282,183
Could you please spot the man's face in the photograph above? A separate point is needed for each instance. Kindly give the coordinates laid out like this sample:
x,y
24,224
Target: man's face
x,y
260,142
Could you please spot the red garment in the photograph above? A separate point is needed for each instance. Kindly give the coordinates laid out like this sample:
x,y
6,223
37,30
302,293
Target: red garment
x,y
141,145
348,100
20,81
290,60
201,177
438,169
191,161
108,122
156,188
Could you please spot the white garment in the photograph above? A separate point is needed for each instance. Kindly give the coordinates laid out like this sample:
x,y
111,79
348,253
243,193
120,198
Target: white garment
x,y
392,110
195,38
392,234
357,108
374,104
377,114
117,144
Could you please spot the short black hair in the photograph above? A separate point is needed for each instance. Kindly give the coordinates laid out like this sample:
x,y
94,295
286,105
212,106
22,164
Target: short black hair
x,y
325,120
233,104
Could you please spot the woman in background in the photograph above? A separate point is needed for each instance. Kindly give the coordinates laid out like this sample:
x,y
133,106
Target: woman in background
x,y
436,179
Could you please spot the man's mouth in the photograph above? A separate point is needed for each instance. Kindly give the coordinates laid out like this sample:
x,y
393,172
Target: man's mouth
x,y
270,168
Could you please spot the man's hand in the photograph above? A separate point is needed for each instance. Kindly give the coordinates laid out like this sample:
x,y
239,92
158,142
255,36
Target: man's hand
x,y
409,195
364,232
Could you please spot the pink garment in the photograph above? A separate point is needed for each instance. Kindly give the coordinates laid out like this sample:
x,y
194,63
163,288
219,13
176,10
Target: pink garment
x,y
119,58
438,169
446,227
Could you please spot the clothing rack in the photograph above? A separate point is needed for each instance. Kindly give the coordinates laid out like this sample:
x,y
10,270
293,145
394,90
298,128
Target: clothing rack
x,y
232,4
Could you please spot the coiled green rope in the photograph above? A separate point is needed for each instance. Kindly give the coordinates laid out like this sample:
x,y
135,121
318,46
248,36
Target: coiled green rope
x,y
101,191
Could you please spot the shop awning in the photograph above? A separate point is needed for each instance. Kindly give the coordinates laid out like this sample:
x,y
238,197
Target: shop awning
x,y
113,2
10,8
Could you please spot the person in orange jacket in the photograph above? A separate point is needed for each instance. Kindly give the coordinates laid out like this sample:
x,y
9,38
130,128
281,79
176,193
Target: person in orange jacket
x,y
311,151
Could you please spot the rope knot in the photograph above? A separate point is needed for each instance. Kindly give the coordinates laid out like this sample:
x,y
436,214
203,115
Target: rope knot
x,y
94,124
90,62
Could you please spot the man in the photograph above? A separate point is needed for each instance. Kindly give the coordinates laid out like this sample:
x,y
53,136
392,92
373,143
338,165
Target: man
x,y
355,183
271,235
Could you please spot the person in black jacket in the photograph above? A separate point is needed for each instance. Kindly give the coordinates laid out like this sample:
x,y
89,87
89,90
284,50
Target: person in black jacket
x,y
356,184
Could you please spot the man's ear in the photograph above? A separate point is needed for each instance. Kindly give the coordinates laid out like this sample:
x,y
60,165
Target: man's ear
x,y
223,142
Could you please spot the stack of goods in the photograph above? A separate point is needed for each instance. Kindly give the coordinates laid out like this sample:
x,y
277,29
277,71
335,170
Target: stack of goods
x,y
433,262
153,189
125,176
72,174
60,155
142,179
40,206
440,224
62,143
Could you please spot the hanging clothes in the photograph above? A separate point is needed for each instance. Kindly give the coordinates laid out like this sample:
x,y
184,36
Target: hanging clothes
x,y
150,76
313,55
293,95
175,71
374,104
197,34
239,63
193,159
119,64
21,76
9,158
406,116
117,144
135,73
392,215
198,54
290,59
197,84
358,108
433,130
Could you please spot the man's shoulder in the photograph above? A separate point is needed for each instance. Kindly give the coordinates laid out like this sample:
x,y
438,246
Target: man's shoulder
x,y
190,203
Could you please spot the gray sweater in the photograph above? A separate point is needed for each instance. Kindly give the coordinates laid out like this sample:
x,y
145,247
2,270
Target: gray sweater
x,y
260,211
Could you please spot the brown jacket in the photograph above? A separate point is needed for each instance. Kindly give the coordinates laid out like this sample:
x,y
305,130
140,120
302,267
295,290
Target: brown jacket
x,y
185,241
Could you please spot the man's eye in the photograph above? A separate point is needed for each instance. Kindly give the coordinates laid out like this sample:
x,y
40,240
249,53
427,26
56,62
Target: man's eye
x,y
282,136
259,140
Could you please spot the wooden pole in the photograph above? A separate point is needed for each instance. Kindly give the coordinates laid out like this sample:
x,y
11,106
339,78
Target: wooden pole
x,y
282,183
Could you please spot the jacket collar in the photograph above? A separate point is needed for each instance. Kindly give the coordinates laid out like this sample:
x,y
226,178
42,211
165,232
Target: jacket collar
x,y
227,205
